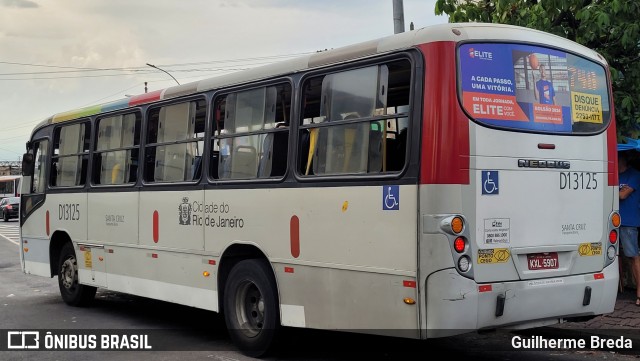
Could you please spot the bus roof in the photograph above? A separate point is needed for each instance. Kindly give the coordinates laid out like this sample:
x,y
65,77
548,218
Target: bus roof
x,y
443,32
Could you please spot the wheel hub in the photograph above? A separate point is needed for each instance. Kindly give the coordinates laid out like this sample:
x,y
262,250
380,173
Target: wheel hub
x,y
69,273
250,309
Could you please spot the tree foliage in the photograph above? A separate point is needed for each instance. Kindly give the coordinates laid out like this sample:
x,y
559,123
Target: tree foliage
x,y
610,27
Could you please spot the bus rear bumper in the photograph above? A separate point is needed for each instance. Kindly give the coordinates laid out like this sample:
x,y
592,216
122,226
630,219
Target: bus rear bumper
x,y
456,304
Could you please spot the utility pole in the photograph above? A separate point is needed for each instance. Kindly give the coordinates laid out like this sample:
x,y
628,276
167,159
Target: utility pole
x,y
398,17
145,86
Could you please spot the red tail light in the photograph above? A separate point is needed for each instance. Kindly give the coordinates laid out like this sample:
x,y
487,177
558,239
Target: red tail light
x,y
613,236
9,207
459,244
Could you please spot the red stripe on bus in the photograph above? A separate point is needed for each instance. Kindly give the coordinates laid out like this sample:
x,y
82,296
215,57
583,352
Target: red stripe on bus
x,y
156,226
445,127
294,235
46,222
612,149
145,98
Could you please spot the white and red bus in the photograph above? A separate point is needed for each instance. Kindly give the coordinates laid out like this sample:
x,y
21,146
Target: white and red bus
x,y
9,186
450,179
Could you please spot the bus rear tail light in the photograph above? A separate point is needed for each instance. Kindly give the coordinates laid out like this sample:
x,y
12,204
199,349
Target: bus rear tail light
x,y
459,244
613,236
464,263
615,219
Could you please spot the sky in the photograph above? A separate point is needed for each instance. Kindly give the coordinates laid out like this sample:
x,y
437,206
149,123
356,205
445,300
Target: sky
x,y
53,52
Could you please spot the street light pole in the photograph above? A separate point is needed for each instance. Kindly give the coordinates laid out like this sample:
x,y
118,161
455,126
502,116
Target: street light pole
x,y
164,71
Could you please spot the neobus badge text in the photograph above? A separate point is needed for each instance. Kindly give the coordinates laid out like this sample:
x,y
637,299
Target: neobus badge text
x,y
534,163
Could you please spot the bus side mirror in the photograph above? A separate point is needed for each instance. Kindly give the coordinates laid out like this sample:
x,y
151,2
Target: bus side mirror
x,y
27,164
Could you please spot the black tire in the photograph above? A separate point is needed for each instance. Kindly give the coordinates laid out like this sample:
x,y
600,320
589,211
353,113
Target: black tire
x,y
5,216
73,293
251,308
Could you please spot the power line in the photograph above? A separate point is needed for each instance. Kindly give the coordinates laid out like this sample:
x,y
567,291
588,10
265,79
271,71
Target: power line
x,y
16,137
9,150
112,95
142,68
30,124
72,71
112,75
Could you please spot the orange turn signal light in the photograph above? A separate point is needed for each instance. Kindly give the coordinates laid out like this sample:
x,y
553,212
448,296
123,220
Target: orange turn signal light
x,y
615,219
409,301
457,225
206,274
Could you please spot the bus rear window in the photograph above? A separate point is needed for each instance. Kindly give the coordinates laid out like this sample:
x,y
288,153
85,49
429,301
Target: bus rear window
x,y
532,88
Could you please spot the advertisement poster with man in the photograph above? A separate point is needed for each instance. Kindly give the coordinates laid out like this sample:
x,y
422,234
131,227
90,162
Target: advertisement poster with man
x,y
531,87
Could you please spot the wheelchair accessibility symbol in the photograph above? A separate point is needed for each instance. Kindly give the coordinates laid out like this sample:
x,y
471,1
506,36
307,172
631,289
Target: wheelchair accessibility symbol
x,y
490,182
390,198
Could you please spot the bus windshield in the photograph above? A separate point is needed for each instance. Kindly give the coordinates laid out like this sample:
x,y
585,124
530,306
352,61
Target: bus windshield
x,y
532,88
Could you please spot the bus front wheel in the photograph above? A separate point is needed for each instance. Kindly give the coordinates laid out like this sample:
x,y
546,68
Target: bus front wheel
x,y
251,307
72,292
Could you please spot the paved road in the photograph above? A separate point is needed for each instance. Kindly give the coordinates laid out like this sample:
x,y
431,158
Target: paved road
x,y
10,230
28,303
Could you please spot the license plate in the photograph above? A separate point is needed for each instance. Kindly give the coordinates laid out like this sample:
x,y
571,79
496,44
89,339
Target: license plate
x,y
538,261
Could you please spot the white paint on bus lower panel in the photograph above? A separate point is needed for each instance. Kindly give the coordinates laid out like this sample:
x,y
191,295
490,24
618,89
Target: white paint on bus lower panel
x,y
37,268
292,315
184,295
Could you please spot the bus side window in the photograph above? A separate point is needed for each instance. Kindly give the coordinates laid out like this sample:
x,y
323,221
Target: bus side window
x,y
116,153
41,160
69,163
251,136
351,120
175,142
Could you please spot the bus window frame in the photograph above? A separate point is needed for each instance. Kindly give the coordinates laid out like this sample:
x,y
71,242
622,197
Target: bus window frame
x,y
94,144
89,120
416,64
39,140
144,144
605,68
213,128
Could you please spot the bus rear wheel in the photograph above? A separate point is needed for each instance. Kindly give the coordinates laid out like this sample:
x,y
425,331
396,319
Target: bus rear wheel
x,y
72,292
251,307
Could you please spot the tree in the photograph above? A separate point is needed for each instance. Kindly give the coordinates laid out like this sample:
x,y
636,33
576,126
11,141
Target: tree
x,y
610,27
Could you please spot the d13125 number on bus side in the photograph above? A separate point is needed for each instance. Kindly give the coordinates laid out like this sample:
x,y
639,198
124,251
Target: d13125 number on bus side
x,y
578,180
